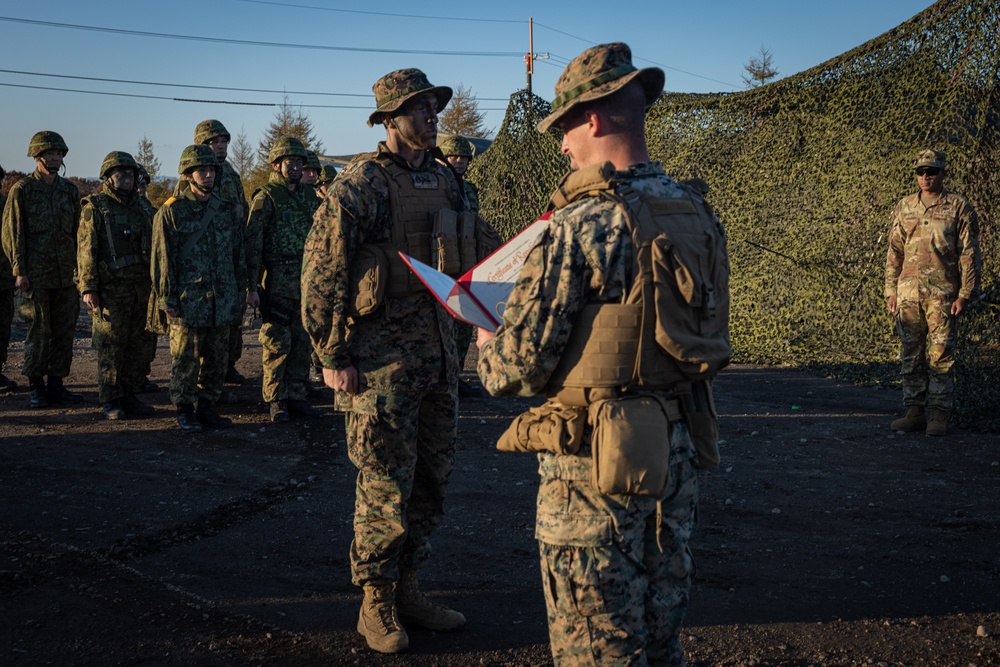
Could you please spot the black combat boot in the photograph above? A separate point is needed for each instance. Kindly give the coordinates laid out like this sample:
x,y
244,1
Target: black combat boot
x,y
148,387
59,394
133,407
233,376
113,410
39,397
209,417
186,418
299,408
278,411
6,384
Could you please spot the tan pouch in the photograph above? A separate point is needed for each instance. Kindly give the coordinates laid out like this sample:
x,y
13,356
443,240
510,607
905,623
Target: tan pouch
x,y
548,428
445,256
631,445
366,280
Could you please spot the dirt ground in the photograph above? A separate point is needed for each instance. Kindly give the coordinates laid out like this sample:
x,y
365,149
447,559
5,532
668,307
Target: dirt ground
x,y
824,539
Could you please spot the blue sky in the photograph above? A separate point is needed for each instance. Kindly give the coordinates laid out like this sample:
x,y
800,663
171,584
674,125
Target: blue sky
x,y
701,46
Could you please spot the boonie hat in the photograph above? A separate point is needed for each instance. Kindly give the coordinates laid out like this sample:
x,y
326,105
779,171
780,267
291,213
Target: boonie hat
x,y
393,89
596,73
930,158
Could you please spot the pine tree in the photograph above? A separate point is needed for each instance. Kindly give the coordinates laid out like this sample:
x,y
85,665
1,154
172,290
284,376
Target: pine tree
x,y
144,156
289,121
462,115
759,70
242,156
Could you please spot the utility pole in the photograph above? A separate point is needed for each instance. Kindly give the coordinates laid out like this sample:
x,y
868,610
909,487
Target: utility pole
x,y
530,57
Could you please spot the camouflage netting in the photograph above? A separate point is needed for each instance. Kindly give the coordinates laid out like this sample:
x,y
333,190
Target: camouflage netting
x,y
804,173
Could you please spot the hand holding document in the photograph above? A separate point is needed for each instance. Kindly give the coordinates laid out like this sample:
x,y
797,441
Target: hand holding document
x,y
479,296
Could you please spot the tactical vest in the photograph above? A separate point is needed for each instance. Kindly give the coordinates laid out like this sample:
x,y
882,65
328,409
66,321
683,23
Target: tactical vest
x,y
672,329
127,246
293,218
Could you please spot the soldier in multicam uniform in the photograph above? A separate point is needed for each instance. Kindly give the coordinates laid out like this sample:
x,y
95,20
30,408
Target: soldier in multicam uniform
x,y
391,357
280,218
199,279
114,240
932,271
458,153
146,364
39,237
6,302
616,569
229,186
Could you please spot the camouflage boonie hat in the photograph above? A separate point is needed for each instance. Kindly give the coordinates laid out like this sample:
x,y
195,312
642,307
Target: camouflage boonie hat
x,y
930,158
210,129
312,161
456,145
118,159
393,89
596,73
197,155
326,174
46,140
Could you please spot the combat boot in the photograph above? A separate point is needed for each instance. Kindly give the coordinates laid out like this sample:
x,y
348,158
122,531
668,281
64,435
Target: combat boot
x,y
299,408
6,384
133,407
913,420
233,376
113,410
57,393
414,607
147,387
209,417
186,418
938,424
278,411
378,621
39,397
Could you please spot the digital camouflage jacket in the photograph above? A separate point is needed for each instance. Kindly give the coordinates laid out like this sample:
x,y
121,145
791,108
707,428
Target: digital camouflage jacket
x,y
116,249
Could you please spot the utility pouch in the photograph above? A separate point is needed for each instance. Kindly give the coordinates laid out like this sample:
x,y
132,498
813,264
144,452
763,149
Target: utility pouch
x,y
630,444
367,280
549,428
698,406
467,239
445,255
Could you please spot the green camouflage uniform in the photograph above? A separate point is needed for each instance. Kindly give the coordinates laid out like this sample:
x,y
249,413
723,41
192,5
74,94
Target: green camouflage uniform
x,y
616,570
276,234
146,364
207,286
6,297
119,327
39,238
933,259
471,196
401,426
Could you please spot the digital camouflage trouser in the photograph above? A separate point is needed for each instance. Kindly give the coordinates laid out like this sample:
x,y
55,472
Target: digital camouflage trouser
x,y
6,322
121,339
200,355
286,352
403,445
616,570
927,333
51,316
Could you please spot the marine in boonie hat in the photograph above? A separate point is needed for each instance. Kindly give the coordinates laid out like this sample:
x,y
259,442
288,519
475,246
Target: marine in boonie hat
x,y
596,73
930,158
393,89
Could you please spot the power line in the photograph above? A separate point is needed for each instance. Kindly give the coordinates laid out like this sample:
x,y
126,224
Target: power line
x,y
244,42
387,14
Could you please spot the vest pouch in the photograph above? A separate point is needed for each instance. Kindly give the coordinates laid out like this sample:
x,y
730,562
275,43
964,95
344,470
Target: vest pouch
x,y
702,419
366,280
549,428
467,240
445,256
630,445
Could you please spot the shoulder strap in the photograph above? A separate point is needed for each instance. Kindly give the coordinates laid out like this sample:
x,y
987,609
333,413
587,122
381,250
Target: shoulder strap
x,y
581,183
192,241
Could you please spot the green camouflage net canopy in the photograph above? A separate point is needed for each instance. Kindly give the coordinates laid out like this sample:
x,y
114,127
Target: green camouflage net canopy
x,y
804,172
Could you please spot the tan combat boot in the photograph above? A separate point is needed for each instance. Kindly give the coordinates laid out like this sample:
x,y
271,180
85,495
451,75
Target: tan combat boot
x,y
416,609
378,621
938,424
913,420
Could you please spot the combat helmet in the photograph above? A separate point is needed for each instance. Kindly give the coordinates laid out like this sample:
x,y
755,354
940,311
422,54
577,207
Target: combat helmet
x,y
457,145
118,159
46,140
287,146
143,175
210,129
326,174
312,161
197,155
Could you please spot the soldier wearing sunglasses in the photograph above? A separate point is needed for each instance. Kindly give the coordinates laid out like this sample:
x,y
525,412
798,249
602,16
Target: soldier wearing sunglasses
x,y
932,271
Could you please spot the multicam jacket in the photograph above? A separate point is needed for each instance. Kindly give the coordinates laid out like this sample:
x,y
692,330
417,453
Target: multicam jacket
x,y
408,343
933,249
39,231
116,249
207,284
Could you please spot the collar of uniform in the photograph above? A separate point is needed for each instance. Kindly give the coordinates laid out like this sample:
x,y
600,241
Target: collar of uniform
x,y
428,163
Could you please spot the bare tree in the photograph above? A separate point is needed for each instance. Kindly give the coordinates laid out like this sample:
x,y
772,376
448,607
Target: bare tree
x,y
462,115
759,69
144,156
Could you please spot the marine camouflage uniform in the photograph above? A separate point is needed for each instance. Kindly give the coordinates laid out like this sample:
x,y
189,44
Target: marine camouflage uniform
x,y
6,297
933,259
208,286
39,238
119,327
401,425
276,235
616,570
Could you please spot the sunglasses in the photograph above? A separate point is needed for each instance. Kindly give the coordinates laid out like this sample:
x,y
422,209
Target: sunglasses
x,y
928,171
